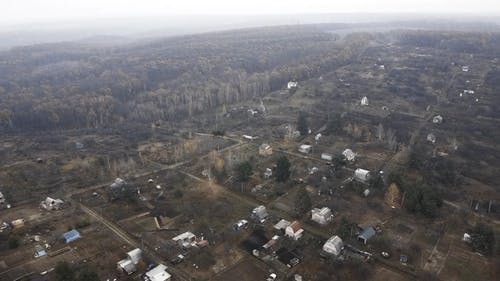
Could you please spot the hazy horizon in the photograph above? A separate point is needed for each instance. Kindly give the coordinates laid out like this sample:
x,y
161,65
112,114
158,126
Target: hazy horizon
x,y
34,11
26,22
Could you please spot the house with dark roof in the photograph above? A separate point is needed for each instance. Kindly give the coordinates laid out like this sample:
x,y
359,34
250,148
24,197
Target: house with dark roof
x,y
367,233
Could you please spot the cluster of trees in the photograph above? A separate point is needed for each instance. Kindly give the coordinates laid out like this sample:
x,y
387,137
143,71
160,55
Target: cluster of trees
x,y
436,170
302,202
65,85
282,172
454,41
65,271
303,124
243,171
421,198
418,197
483,238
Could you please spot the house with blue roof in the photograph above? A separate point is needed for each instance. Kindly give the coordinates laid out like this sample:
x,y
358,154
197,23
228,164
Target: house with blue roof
x,y
39,251
71,236
366,234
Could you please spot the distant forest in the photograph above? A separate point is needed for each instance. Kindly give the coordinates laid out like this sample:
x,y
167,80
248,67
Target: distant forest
x,y
73,85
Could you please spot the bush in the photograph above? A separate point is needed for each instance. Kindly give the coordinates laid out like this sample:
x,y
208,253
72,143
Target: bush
x,y
204,258
14,242
64,272
82,224
483,238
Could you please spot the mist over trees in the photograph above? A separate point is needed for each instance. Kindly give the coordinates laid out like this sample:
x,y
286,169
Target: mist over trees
x,y
74,86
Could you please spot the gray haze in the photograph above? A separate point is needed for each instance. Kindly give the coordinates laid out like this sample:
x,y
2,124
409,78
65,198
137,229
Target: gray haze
x,y
22,11
25,22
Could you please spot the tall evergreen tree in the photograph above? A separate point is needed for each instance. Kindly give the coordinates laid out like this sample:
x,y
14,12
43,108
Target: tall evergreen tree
x,y
243,171
302,124
282,169
302,202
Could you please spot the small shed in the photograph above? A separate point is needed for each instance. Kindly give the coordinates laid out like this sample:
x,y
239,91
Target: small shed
x,y
240,225
268,173
317,137
326,156
50,204
292,85
349,154
305,148
39,251
271,243
71,236
17,223
431,138
438,119
127,266
265,149
364,101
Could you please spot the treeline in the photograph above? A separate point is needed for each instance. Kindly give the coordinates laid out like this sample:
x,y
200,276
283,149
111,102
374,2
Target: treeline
x,y
455,41
62,86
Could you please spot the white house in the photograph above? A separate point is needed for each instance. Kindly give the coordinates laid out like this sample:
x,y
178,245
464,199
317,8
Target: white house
x,y
135,255
465,68
361,175
294,230
292,85
322,216
333,246
349,154
2,198
305,148
159,273
126,266
364,101
186,239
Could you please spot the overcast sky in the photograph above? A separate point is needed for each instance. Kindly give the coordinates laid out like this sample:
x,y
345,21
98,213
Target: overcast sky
x,y
27,11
